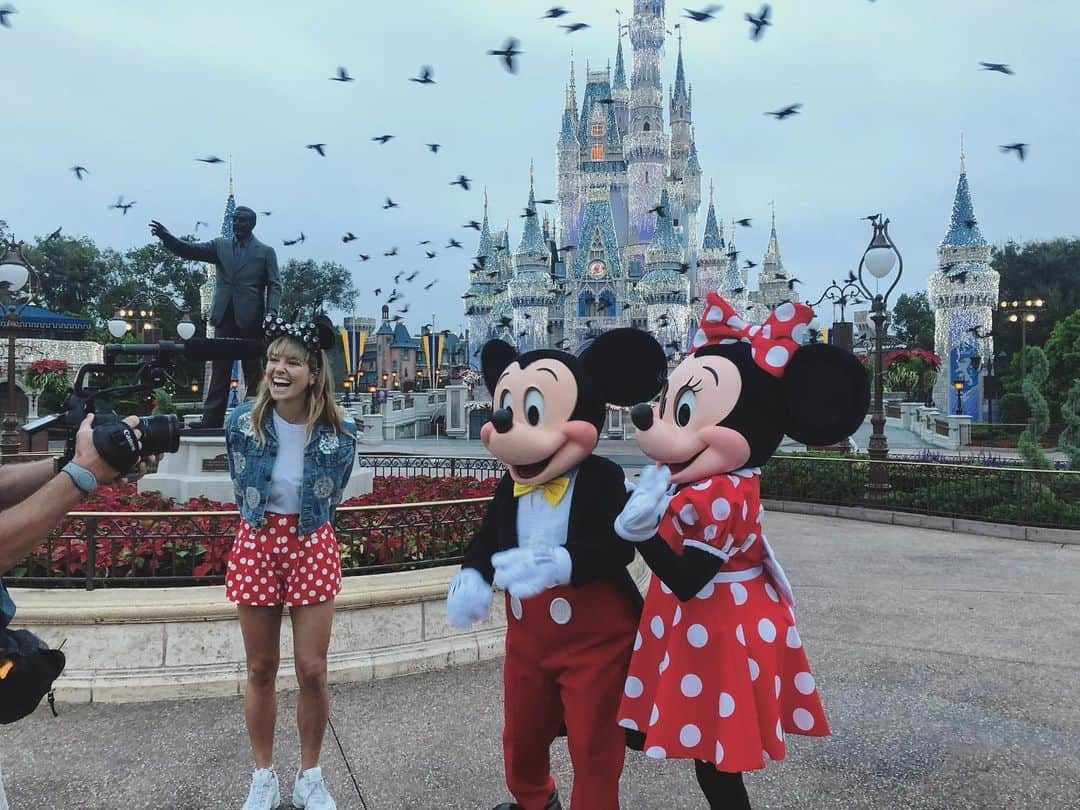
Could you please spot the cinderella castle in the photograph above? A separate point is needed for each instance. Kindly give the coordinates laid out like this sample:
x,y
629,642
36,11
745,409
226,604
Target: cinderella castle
x,y
623,249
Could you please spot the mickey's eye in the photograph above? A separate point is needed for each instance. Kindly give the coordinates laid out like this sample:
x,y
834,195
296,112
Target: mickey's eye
x,y
684,407
534,406
505,400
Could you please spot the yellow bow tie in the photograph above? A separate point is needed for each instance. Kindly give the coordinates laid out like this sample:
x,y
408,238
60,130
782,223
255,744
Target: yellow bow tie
x,y
553,489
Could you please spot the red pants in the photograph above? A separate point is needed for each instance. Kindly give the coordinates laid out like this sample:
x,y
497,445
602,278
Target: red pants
x,y
567,653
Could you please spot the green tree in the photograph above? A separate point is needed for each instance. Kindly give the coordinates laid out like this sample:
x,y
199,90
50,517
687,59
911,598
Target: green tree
x,y
1069,440
1046,270
913,321
307,286
1063,354
1039,421
73,274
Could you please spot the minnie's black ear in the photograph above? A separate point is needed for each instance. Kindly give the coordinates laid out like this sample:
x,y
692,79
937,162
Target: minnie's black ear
x,y
826,392
627,366
328,336
494,358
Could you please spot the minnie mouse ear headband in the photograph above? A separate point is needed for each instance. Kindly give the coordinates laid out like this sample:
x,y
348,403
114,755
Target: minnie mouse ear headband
x,y
315,334
772,343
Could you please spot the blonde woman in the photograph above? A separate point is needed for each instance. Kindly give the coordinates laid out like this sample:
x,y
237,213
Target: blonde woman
x,y
291,453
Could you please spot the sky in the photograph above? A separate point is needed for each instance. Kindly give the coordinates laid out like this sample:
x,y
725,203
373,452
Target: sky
x,y
136,91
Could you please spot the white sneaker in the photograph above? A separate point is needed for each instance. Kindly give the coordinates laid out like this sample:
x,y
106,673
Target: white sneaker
x,y
264,794
309,791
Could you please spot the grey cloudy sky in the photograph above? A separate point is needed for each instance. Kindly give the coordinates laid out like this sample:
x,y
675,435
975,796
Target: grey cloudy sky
x,y
135,91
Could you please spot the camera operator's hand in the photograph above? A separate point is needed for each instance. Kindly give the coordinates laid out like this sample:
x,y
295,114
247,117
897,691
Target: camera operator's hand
x,y
159,230
87,454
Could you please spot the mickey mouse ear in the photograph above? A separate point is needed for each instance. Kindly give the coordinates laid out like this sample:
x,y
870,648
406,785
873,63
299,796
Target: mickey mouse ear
x,y
324,327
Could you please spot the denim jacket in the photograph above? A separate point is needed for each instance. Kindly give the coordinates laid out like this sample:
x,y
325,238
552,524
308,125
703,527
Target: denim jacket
x,y
328,463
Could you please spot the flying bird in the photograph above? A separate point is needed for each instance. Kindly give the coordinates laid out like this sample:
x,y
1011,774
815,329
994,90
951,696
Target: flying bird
x,y
792,282
872,217
424,242
997,67
572,27
454,243
265,213
785,112
79,171
555,12
704,15
508,52
348,237
430,284
6,11
759,22
342,75
472,223
750,265
377,291
411,276
391,252
1019,148
318,147
424,77
200,223
382,139
298,240
390,204
545,201
210,159
745,222
658,210
529,212
123,206
431,254
54,235
462,181
364,257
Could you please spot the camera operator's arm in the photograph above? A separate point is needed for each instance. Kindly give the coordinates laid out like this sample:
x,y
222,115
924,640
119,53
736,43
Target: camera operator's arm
x,y
195,251
19,481
26,524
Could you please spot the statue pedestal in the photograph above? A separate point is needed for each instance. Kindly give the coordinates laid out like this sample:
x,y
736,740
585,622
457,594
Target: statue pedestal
x,y
201,468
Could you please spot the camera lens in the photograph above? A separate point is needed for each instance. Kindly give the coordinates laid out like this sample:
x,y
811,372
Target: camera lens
x,y
160,434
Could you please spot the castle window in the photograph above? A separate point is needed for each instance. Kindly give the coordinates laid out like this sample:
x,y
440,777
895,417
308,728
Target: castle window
x,y
598,130
645,127
597,151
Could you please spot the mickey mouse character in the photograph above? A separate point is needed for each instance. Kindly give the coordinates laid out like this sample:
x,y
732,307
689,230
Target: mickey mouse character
x,y
719,674
547,538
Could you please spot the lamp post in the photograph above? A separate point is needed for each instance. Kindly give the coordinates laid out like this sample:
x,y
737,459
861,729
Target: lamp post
x,y
841,295
1025,312
347,385
141,310
15,272
958,386
879,258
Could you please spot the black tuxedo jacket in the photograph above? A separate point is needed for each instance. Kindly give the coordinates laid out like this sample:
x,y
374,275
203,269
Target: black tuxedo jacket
x,y
596,552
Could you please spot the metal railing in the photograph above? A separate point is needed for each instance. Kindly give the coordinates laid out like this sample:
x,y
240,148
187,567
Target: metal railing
x,y
480,468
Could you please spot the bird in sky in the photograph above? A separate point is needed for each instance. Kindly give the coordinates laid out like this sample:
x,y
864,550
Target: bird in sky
x,y
318,147
199,224
298,240
658,210
759,22
997,67
434,147
872,217
382,139
545,201
424,242
588,323
123,206
744,222
6,11
80,171
554,13
1019,148
430,284
792,282
431,254
466,296
625,307
411,276
210,159
704,15
508,52
342,75
850,277
364,257
391,252
529,212
425,76
572,27
348,237
785,112
390,204
377,291
605,101
462,181
472,223
970,223
750,265
265,213
454,243
54,235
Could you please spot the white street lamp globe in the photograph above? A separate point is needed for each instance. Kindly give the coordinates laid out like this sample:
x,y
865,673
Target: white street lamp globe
x,y
880,261
117,326
186,329
14,270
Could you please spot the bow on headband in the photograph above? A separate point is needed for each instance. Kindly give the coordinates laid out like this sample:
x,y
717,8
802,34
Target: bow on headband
x,y
771,344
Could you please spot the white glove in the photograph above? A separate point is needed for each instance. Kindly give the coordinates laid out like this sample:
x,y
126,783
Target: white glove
x,y
640,518
469,598
525,572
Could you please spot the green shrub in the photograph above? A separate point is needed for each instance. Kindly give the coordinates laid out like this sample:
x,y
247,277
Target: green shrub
x,y
1038,369
1014,408
1069,441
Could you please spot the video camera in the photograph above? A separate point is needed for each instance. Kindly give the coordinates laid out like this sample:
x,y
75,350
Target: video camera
x,y
161,433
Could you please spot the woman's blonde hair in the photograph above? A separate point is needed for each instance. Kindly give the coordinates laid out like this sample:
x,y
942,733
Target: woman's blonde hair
x,y
320,394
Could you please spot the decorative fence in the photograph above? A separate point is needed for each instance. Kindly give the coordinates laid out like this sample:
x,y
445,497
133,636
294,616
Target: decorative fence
x,y
480,468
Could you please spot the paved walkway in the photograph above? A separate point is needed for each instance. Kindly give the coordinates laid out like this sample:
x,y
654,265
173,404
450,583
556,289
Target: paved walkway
x,y
949,665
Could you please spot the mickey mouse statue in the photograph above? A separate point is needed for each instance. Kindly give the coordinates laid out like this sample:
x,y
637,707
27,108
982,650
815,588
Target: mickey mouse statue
x,y
547,538
719,674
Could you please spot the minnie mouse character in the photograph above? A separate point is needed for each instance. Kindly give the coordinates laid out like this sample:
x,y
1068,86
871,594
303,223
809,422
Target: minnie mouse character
x,y
719,674
547,538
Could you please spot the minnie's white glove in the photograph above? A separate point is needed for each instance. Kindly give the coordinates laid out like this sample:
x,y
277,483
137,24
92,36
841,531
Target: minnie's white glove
x,y
640,518
525,572
469,598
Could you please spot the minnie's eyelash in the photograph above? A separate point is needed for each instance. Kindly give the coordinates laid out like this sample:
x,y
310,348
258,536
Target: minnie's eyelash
x,y
694,385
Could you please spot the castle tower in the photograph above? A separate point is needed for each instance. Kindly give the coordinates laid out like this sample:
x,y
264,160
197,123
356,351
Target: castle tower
x,y
645,146
680,114
665,290
619,90
480,293
736,285
773,281
567,161
596,280
529,290
684,168
963,293
712,260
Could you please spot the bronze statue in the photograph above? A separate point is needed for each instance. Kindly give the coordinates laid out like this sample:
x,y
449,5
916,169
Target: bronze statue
x,y
248,286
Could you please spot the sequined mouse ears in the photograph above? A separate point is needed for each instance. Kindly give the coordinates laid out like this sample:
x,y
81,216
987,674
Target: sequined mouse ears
x,y
305,332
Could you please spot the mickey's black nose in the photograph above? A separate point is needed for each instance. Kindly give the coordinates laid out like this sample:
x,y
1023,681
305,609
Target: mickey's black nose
x,y
641,416
502,419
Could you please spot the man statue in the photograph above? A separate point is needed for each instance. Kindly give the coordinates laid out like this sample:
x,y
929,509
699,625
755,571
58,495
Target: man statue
x,y
248,286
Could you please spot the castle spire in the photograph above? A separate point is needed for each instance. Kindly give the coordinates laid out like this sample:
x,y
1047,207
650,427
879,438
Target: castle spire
x,y
230,207
485,249
963,227
963,168
714,234
619,82
680,73
230,194
532,241
772,250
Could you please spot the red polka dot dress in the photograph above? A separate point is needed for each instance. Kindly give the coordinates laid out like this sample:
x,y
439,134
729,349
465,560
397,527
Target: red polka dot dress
x,y
722,677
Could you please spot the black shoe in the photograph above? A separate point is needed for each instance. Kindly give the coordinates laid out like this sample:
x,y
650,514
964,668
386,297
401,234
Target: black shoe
x,y
552,804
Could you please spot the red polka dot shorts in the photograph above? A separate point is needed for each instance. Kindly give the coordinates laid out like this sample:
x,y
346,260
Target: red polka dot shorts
x,y
274,564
